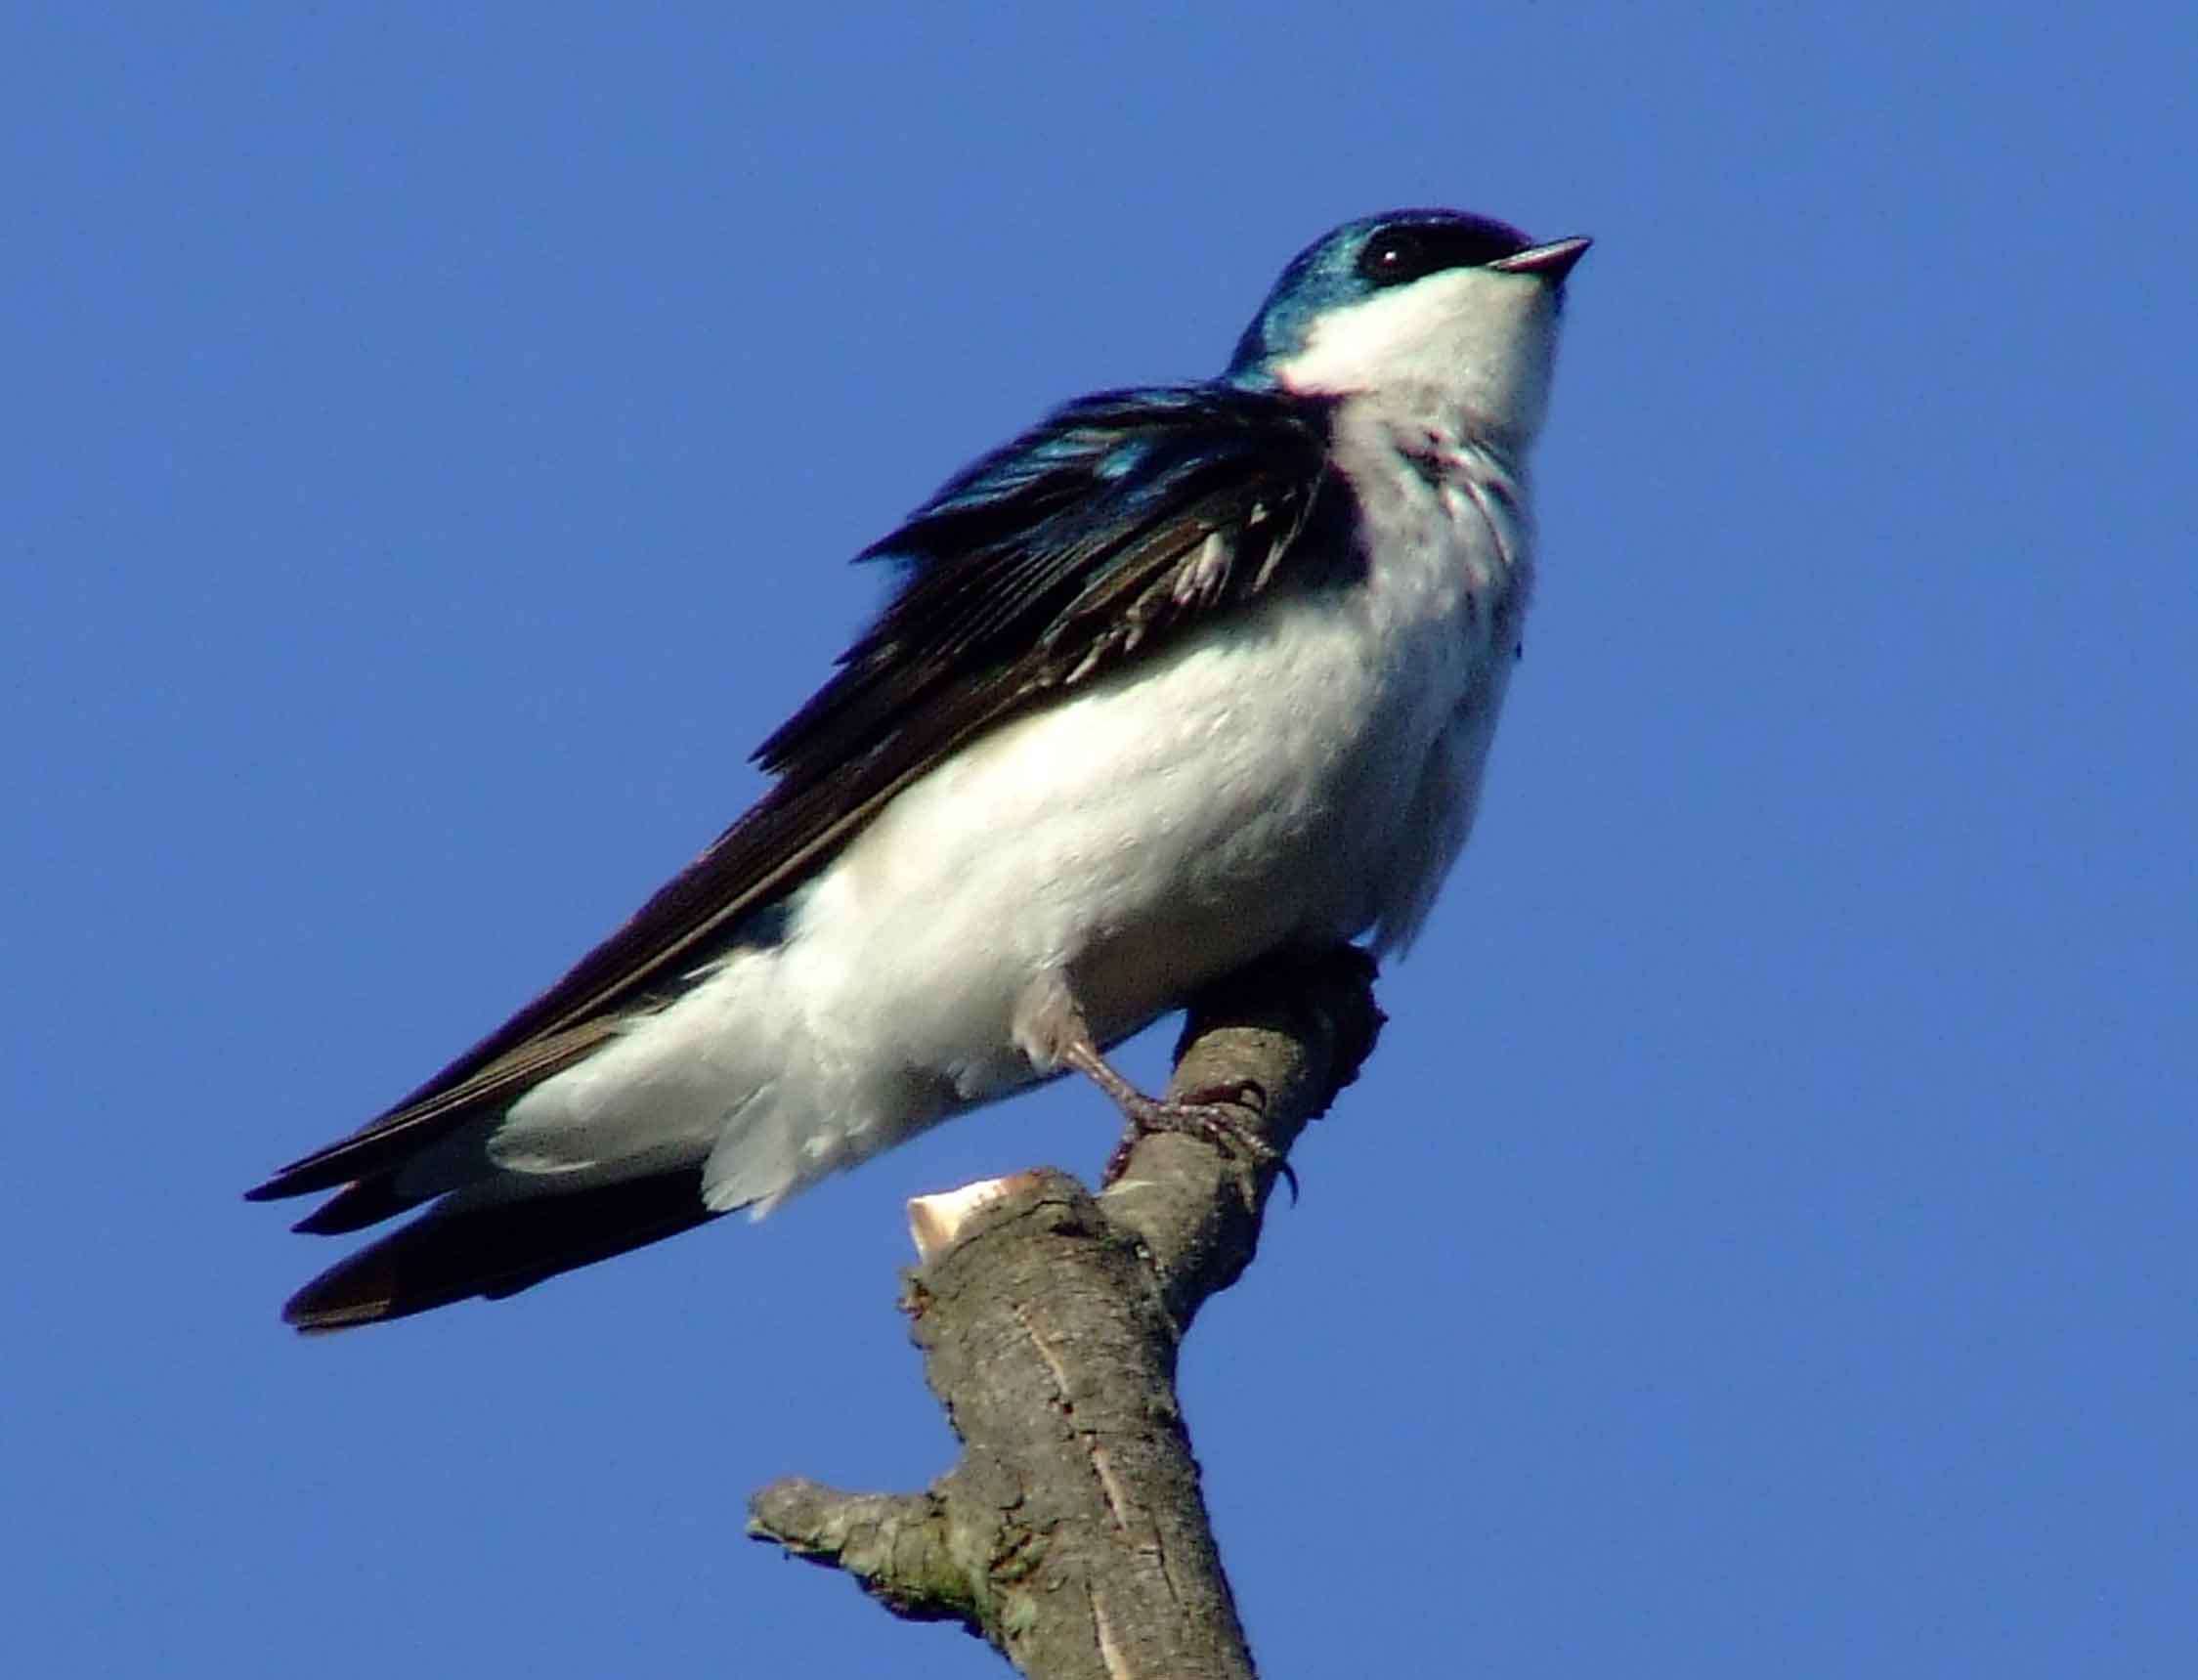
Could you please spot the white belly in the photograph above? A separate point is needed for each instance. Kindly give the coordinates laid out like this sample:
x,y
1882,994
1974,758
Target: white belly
x,y
1172,824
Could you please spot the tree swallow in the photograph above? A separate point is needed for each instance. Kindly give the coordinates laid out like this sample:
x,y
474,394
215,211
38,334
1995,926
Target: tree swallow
x,y
1181,677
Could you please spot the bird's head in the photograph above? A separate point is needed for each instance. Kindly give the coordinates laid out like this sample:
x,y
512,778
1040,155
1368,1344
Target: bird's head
x,y
1429,298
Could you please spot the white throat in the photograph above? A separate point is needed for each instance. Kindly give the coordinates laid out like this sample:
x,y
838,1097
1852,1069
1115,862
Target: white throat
x,y
1472,344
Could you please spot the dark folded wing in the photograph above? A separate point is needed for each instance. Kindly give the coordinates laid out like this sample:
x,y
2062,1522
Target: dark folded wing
x,y
1091,540
450,1254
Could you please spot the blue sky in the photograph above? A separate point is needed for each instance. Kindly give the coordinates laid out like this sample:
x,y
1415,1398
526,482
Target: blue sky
x,y
1763,1240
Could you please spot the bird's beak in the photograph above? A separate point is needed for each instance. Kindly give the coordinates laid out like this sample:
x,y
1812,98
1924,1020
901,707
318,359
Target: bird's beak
x,y
1551,262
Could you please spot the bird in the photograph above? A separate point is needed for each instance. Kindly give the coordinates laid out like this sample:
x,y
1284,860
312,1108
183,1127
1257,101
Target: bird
x,y
1183,677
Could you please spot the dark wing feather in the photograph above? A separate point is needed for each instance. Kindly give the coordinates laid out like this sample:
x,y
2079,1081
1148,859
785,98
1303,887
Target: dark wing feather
x,y
1086,542
1071,548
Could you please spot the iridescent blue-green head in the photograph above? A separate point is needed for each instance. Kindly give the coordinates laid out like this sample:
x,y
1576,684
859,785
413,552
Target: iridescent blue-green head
x,y
1437,298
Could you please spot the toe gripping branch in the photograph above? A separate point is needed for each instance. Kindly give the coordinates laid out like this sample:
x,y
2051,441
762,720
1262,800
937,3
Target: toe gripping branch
x,y
1251,1045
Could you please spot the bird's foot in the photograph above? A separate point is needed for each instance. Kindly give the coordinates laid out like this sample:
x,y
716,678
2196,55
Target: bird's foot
x,y
1052,1030
1222,1115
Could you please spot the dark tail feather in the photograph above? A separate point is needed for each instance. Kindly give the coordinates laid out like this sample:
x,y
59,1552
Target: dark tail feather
x,y
358,1206
496,1250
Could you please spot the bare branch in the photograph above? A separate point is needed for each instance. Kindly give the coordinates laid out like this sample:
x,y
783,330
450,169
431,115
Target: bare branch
x,y
1072,1533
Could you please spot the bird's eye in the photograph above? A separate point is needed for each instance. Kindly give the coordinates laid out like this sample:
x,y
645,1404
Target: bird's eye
x,y
1394,256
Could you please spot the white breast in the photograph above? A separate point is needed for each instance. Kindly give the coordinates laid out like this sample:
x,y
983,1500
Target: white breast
x,y
1451,539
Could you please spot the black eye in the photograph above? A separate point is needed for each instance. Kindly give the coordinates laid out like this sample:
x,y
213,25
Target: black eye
x,y
1394,256
1406,251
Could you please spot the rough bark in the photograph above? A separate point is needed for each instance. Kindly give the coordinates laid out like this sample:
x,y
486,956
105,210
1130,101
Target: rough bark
x,y
1072,1534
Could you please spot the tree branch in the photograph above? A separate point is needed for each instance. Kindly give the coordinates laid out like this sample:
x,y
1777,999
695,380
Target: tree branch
x,y
1072,1533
